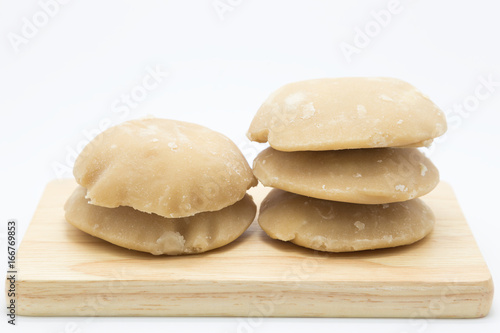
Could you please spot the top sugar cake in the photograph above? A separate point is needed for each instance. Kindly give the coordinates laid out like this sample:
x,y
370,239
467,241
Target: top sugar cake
x,y
347,113
167,167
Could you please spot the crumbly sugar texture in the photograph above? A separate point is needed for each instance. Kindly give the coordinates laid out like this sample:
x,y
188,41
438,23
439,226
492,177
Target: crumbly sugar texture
x,y
342,227
132,229
167,167
364,176
347,113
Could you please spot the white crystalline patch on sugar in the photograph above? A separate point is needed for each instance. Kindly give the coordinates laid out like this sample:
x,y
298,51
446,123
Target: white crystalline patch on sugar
x,y
400,121
323,187
172,145
154,140
385,206
200,242
423,169
387,238
360,225
308,111
385,98
427,143
170,241
319,241
379,161
361,110
160,199
379,140
357,175
149,130
295,99
286,237
185,205
324,213
413,194
145,132
401,188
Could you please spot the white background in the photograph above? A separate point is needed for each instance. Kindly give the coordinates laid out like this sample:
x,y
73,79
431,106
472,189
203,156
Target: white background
x,y
64,79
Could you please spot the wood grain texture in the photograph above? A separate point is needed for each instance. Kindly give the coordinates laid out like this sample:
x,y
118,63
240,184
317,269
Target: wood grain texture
x,y
65,272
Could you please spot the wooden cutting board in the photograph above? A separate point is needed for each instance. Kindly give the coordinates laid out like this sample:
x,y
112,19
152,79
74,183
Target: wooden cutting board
x,y
65,272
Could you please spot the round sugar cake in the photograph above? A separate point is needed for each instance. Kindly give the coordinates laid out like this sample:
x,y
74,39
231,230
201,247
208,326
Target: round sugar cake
x,y
132,229
347,113
341,227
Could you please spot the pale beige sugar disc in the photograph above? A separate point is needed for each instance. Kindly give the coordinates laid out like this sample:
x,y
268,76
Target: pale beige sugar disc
x,y
366,176
347,113
171,168
340,227
132,229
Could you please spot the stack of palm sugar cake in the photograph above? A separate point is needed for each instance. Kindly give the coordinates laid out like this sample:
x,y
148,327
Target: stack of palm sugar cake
x,y
162,186
344,163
